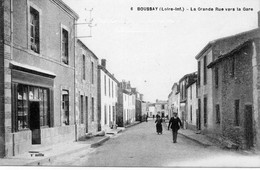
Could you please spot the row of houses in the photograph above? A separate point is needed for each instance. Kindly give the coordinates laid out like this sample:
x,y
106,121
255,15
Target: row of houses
x,y
221,99
52,87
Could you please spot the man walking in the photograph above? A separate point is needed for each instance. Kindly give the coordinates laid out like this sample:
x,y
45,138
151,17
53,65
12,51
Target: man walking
x,y
175,124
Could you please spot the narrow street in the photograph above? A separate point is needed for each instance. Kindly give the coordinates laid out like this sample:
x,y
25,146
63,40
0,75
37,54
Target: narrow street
x,y
140,146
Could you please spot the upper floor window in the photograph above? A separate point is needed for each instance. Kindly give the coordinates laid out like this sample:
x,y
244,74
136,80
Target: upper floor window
x,y
34,30
216,77
198,81
92,72
64,46
205,69
83,67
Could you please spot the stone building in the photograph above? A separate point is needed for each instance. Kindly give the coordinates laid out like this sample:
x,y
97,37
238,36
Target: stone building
x,y
138,104
151,109
126,104
86,90
235,86
206,91
183,84
37,53
107,97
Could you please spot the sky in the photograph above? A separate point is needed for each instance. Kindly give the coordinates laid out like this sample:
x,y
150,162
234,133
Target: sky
x,y
155,49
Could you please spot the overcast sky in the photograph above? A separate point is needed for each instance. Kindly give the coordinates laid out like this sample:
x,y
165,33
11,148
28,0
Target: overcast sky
x,y
154,49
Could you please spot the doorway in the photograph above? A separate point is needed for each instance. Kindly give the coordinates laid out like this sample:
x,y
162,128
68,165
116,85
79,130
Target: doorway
x,y
249,126
35,122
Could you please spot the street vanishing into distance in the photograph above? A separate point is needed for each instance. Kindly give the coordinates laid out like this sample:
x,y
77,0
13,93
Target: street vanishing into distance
x,y
141,146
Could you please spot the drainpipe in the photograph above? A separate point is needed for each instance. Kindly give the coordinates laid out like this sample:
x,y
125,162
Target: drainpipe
x,y
11,54
75,121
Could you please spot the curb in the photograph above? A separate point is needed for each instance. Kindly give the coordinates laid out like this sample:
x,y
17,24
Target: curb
x,y
132,124
101,141
197,141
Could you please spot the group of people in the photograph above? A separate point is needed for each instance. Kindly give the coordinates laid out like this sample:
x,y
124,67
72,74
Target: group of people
x,y
174,124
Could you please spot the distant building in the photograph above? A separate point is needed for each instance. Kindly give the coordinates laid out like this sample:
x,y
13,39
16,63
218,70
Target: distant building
x,y
161,108
86,90
173,102
151,109
145,109
183,84
126,104
107,97
192,105
138,104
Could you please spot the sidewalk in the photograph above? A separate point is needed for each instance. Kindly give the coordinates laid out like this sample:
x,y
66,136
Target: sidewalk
x,y
199,138
52,152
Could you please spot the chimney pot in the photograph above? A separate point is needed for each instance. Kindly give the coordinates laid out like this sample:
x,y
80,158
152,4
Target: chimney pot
x,y
103,62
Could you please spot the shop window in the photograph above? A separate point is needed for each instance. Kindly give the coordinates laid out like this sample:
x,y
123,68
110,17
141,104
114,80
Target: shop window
x,y
26,95
65,107
34,30
65,47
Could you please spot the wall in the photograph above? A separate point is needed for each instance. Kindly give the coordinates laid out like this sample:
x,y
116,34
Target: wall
x,y
234,88
85,88
192,106
49,60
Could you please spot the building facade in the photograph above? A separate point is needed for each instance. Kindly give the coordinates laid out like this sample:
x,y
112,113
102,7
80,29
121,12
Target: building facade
x,y
86,90
107,97
205,83
236,98
192,106
183,84
173,102
37,46
161,108
127,104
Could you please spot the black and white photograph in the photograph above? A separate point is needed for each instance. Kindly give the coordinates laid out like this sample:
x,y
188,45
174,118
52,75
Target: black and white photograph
x,y
130,83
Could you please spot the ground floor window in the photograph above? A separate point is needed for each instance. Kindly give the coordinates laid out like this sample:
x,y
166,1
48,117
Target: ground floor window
x,y
65,107
25,111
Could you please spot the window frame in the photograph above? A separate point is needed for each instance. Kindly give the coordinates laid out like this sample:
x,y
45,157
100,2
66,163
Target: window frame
x,y
64,28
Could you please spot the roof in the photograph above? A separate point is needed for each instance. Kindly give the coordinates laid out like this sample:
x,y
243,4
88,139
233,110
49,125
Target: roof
x,y
220,40
86,48
188,75
108,73
66,8
230,53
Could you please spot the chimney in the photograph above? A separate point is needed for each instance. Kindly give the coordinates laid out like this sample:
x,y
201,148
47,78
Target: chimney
x,y
103,63
258,19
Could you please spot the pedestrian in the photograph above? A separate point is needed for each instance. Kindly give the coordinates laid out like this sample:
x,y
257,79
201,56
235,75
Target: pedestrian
x,y
158,122
146,117
153,116
175,124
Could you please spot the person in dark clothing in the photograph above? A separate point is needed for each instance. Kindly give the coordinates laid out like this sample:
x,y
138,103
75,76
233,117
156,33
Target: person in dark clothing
x,y
158,122
175,124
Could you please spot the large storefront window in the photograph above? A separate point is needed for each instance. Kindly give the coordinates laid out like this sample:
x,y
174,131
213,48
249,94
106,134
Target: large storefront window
x,y
25,96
